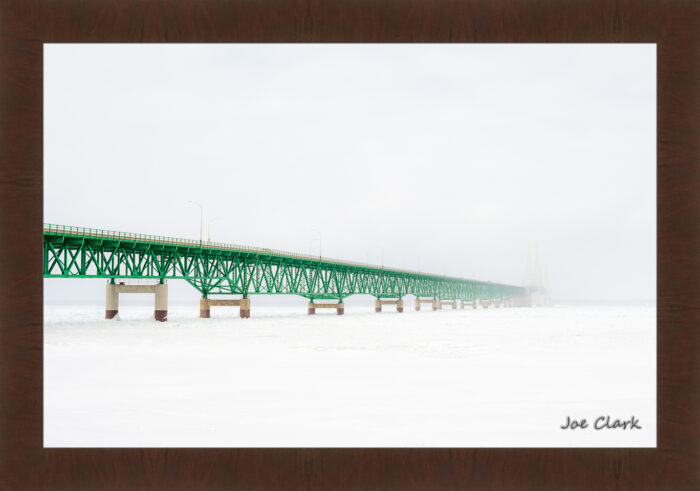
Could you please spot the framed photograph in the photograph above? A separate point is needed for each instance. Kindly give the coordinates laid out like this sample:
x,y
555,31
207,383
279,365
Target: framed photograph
x,y
359,248
352,179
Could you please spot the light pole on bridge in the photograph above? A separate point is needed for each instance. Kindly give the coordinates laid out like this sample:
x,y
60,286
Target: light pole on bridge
x,y
381,250
209,228
201,218
320,243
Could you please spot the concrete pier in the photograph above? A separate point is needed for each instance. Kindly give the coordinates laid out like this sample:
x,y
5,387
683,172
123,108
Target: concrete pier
x,y
471,304
438,304
398,302
161,298
205,305
111,302
519,301
339,307
245,308
423,300
161,310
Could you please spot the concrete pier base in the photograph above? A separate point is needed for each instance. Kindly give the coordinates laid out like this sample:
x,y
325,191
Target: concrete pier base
x,y
423,300
204,308
111,302
160,310
439,304
339,307
398,302
205,305
245,308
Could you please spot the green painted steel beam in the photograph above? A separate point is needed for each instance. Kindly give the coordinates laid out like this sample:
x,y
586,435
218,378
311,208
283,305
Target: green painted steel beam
x,y
215,268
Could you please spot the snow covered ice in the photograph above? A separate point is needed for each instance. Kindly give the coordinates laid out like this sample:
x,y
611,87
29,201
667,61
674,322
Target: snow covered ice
x,y
452,378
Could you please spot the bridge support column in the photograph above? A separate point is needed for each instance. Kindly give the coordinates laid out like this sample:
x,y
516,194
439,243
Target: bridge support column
x,y
161,300
111,302
245,308
398,302
425,300
439,304
204,308
161,311
339,307
205,305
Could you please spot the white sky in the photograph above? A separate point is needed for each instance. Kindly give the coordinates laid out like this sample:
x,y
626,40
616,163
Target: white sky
x,y
451,156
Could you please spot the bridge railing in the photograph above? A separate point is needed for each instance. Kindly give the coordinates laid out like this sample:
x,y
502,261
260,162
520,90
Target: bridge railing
x,y
111,234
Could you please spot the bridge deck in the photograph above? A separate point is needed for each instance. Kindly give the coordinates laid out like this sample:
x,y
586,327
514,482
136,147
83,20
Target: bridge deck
x,y
214,267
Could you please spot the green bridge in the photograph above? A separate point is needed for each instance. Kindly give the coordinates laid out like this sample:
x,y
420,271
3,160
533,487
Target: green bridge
x,y
215,268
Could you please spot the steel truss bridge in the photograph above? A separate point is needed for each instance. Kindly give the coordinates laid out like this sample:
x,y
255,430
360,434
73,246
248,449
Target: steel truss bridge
x,y
216,268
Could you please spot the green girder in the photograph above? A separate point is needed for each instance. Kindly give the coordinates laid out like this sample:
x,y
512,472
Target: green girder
x,y
214,268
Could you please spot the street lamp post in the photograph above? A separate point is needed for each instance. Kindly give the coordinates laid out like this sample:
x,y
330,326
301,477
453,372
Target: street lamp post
x,y
201,218
381,249
320,243
209,228
311,243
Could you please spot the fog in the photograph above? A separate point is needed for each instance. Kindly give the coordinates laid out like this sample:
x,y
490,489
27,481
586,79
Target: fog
x,y
450,159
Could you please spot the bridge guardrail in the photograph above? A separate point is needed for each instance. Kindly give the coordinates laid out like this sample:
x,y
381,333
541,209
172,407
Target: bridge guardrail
x,y
111,234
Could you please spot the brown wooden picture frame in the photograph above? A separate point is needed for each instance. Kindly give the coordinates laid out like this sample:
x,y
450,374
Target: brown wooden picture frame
x,y
26,24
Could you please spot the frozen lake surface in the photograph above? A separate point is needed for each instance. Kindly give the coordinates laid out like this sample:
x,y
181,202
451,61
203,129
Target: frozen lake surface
x,y
472,378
